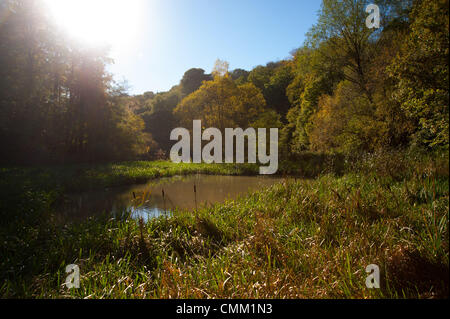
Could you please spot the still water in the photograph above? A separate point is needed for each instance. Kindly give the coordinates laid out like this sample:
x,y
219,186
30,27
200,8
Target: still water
x,y
147,200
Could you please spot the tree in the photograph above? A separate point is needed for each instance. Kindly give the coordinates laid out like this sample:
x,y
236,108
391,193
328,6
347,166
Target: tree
x,y
240,76
220,68
421,72
57,102
273,80
346,122
275,89
260,76
342,25
314,76
383,86
192,80
158,116
221,103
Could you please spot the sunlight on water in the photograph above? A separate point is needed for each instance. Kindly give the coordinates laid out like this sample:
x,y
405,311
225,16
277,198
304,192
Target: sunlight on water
x,y
147,200
148,213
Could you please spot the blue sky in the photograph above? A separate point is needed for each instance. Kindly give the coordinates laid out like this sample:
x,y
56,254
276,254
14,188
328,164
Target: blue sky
x,y
176,35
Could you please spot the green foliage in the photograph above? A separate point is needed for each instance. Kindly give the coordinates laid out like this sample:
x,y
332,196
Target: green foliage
x,y
405,85
341,24
192,80
273,80
421,72
157,112
388,109
275,90
268,119
260,76
287,241
221,103
315,76
57,102
346,122
342,99
240,76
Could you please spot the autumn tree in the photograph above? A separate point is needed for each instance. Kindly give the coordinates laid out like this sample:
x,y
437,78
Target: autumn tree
x,y
221,103
346,122
192,80
57,102
421,72
342,25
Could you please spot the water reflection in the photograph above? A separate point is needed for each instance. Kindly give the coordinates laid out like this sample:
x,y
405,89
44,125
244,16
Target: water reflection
x,y
149,201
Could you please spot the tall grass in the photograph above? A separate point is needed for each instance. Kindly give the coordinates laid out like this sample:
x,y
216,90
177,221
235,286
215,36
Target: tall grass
x,y
301,238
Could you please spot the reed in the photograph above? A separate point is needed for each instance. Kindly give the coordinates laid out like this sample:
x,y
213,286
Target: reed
x,y
303,238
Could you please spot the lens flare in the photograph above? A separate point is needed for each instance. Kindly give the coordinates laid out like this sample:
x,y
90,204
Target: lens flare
x,y
99,22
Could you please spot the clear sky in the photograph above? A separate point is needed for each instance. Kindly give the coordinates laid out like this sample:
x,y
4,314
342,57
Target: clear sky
x,y
176,35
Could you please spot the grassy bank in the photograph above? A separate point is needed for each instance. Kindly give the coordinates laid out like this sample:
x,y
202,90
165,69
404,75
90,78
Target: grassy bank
x,y
82,177
73,178
298,239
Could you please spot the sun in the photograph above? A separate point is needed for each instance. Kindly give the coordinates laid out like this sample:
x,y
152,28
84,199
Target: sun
x,y
98,22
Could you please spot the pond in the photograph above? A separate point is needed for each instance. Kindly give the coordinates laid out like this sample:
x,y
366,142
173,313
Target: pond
x,y
147,200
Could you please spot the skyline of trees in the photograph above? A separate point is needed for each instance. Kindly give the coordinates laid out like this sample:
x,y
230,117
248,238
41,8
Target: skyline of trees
x,y
57,102
346,89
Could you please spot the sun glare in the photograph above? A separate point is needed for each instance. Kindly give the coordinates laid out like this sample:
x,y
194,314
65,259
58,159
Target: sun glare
x,y
98,22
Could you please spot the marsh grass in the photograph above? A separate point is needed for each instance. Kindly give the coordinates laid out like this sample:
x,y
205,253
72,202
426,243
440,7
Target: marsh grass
x,y
301,238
